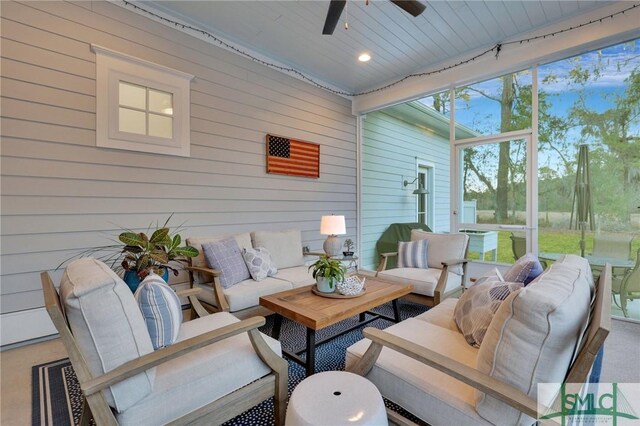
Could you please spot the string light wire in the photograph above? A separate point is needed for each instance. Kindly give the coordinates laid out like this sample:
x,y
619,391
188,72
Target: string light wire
x,y
497,48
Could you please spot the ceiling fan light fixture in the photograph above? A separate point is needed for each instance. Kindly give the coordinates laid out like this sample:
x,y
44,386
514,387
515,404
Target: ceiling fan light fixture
x,y
364,57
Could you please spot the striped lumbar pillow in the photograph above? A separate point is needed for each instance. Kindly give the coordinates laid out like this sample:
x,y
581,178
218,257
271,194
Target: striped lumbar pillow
x,y
412,254
161,310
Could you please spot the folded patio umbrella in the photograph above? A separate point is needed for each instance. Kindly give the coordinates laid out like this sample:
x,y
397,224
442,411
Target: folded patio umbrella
x,y
582,207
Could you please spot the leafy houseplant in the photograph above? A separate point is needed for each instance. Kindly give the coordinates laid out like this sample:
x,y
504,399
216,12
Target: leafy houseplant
x,y
137,255
327,272
144,255
348,243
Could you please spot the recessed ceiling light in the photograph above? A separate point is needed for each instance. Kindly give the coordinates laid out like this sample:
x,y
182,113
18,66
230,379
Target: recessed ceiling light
x,y
364,57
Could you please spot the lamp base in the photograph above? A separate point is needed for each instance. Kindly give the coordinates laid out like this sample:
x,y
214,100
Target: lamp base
x,y
332,245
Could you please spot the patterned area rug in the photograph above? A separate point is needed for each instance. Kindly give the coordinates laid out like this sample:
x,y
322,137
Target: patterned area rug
x,y
57,399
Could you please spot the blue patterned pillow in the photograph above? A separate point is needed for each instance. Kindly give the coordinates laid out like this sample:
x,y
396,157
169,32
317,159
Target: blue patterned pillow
x,y
413,254
161,310
226,256
525,270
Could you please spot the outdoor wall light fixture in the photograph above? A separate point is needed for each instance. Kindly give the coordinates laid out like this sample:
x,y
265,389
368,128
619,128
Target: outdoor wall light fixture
x,y
419,190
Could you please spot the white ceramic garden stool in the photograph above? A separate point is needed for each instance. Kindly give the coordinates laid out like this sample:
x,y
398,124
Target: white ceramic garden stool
x,y
336,398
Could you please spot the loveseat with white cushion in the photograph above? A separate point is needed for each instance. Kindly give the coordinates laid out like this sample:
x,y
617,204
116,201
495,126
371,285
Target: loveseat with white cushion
x,y
242,298
533,338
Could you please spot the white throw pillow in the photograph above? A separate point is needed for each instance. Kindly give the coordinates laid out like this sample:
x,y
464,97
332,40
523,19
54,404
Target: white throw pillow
x,y
259,263
161,310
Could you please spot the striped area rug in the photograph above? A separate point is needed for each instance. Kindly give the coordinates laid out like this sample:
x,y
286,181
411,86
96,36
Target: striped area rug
x,y
57,400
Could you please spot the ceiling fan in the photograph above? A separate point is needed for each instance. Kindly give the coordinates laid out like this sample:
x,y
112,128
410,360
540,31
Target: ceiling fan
x,y
412,7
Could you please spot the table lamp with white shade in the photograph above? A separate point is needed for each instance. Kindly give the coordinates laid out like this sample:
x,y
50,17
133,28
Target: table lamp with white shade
x,y
332,226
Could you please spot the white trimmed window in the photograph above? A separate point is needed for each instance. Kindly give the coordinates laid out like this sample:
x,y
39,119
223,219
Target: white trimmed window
x,y
141,106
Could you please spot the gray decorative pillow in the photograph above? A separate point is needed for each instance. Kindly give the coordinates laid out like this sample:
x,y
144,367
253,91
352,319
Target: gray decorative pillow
x,y
477,306
225,255
413,254
259,263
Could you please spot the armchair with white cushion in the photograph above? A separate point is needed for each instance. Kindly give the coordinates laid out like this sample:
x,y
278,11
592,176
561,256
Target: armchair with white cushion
x,y
443,274
217,367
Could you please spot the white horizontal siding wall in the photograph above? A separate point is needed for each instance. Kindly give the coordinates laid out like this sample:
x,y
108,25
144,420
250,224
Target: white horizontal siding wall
x,y
61,194
390,148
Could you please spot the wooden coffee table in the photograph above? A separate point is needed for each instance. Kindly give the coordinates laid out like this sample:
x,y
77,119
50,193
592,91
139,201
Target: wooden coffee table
x,y
317,312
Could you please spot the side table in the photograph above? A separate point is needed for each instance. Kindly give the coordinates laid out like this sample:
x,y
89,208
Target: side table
x,y
336,398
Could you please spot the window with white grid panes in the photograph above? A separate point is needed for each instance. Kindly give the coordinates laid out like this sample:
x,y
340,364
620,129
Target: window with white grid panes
x,y
141,106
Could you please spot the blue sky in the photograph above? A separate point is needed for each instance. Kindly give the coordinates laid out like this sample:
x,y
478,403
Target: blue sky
x,y
483,114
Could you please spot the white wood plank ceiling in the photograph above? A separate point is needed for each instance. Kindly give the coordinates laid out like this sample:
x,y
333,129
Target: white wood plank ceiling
x,y
291,32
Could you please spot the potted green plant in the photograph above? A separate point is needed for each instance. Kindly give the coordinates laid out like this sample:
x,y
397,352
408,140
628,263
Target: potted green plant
x,y
328,273
157,254
348,243
137,255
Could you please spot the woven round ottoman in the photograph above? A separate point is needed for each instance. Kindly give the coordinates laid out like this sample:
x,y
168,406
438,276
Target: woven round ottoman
x,y
336,398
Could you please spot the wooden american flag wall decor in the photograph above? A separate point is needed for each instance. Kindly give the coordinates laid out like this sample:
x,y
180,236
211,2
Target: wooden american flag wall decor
x,y
292,157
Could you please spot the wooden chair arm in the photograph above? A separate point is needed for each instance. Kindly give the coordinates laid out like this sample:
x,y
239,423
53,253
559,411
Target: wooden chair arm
x,y
472,377
389,254
196,306
383,261
223,305
452,262
145,362
208,271
188,292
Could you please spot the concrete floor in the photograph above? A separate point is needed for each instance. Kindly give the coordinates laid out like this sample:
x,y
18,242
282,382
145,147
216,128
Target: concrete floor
x,y
621,364
15,378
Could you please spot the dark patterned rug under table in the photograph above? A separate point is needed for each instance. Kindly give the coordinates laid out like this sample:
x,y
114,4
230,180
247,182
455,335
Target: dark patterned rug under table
x,y
57,399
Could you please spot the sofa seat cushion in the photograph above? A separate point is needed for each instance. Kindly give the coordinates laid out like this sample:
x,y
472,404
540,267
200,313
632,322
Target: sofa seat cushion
x,y
424,281
441,314
108,326
246,294
285,247
424,391
533,336
195,379
298,276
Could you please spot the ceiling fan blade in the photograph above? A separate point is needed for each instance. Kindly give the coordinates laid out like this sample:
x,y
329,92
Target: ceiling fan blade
x,y
333,15
412,7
